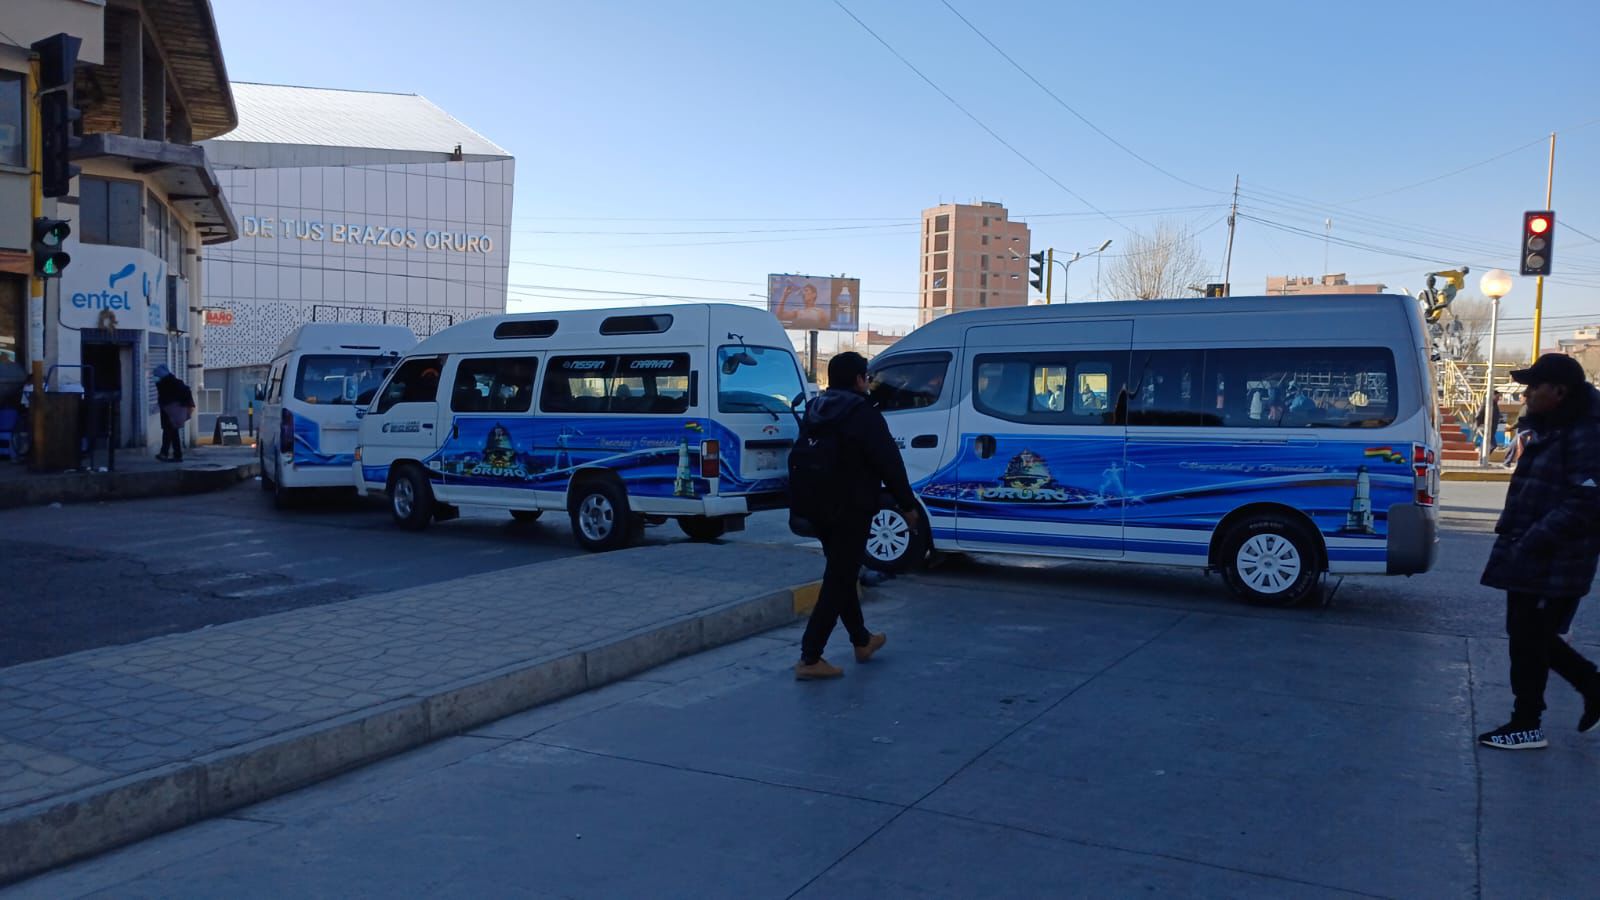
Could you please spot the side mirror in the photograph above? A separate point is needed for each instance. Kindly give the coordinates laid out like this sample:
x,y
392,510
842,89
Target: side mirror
x,y
361,412
261,392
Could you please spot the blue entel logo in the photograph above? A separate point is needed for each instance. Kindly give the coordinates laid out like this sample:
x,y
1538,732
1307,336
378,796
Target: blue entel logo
x,y
107,299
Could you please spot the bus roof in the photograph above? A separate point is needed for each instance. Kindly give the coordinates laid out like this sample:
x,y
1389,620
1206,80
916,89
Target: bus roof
x,y
346,337
688,323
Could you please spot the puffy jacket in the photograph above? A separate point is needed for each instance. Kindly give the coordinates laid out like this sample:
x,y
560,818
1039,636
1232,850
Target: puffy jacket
x,y
1549,533
170,390
868,456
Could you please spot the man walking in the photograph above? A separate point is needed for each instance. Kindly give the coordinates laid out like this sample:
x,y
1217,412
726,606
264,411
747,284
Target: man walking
x,y
175,403
1547,545
844,454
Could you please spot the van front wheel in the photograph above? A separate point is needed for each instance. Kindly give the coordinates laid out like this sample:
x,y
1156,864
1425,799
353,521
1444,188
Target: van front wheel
x,y
411,499
892,544
1269,560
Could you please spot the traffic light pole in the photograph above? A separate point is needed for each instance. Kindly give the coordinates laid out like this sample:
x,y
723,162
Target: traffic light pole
x,y
1049,272
36,296
1538,283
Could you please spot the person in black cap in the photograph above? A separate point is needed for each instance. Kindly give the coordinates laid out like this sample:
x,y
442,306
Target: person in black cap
x,y
1547,544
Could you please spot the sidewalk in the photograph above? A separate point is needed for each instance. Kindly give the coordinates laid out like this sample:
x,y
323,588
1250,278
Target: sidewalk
x,y
112,745
1471,471
204,468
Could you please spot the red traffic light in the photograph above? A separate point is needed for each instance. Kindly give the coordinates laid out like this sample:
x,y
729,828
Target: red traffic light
x,y
1538,224
1538,234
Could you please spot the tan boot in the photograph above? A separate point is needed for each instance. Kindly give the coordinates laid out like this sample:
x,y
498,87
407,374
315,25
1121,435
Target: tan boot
x,y
874,644
817,670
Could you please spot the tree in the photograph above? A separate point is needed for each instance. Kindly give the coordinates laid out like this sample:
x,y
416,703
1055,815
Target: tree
x,y
1163,263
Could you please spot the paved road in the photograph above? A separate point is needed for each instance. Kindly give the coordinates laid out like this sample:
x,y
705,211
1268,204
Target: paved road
x,y
87,576
1047,730
83,576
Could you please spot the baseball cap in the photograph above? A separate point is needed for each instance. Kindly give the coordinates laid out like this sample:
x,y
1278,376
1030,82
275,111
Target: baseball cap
x,y
1551,368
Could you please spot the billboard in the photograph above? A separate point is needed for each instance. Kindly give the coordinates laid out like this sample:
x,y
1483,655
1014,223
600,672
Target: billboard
x,y
815,303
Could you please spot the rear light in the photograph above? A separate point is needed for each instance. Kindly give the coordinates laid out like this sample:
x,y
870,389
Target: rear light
x,y
358,453
710,459
1423,463
286,433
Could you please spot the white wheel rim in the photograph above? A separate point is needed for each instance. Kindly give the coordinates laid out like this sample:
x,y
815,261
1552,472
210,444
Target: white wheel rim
x,y
1268,563
405,498
890,536
596,517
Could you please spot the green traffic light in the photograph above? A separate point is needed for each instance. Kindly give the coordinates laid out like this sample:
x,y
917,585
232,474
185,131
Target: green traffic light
x,y
51,268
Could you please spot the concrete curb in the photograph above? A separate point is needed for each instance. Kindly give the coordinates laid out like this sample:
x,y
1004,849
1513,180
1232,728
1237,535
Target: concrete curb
x,y
1475,475
49,833
88,487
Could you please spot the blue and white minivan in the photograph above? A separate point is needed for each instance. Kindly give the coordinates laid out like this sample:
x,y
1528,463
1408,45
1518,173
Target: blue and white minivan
x,y
1273,439
322,375
617,417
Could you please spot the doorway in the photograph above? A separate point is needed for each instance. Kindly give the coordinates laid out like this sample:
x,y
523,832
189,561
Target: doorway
x,y
111,366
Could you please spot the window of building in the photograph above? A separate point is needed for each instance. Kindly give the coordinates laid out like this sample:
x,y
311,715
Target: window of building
x,y
985,240
939,298
155,226
941,261
13,119
13,325
941,223
108,212
983,279
983,262
415,381
1049,388
986,221
983,298
912,383
941,243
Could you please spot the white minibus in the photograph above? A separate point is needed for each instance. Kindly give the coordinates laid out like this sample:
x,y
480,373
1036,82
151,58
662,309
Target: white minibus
x,y
322,374
617,417
1273,439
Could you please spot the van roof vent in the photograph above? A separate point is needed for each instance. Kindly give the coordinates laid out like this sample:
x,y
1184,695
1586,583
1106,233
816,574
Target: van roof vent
x,y
535,328
652,324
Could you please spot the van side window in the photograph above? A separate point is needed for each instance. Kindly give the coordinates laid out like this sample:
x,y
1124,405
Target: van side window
x,y
632,384
909,384
577,384
1050,388
1165,389
275,385
494,384
415,381
1312,387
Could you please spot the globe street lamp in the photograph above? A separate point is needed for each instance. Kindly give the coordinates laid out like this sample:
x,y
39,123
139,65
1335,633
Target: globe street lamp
x,y
1494,284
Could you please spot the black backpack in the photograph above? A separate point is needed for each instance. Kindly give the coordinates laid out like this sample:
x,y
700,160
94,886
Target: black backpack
x,y
814,476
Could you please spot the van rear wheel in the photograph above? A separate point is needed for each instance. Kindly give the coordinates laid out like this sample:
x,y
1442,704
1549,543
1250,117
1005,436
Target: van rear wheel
x,y
526,515
702,528
411,499
600,517
1270,560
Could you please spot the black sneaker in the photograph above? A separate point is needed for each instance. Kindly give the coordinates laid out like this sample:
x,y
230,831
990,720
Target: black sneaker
x,y
1591,713
1513,736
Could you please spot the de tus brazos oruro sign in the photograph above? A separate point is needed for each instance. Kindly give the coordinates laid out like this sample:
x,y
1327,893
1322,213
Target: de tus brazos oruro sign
x,y
365,234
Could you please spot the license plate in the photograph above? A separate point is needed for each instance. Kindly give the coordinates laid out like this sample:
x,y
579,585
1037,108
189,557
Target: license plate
x,y
764,460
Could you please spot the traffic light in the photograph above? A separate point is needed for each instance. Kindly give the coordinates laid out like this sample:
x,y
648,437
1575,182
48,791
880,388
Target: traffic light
x,y
58,57
1036,269
48,256
1538,233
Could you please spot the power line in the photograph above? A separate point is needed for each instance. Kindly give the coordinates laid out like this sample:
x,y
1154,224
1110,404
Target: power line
x,y
1066,106
979,122
1498,156
1570,227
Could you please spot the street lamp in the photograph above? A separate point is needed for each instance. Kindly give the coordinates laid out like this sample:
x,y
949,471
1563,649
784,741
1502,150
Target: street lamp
x,y
1494,284
1066,271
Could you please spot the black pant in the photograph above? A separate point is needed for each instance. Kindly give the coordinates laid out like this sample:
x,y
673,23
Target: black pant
x,y
844,539
1535,625
171,442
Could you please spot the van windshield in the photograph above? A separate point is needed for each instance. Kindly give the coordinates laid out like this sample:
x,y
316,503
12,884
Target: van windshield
x,y
340,380
756,379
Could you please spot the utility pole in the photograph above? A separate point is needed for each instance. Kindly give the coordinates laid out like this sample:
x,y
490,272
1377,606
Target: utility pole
x,y
1227,265
36,298
1538,283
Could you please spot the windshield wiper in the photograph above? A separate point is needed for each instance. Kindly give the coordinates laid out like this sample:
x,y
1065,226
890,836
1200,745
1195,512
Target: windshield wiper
x,y
754,407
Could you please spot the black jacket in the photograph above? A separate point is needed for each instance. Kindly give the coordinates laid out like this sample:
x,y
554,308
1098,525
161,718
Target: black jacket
x,y
1549,533
867,454
170,390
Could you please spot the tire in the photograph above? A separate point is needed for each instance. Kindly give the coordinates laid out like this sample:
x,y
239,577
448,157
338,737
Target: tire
x,y
892,544
411,499
1270,560
600,517
702,529
282,497
526,515
261,466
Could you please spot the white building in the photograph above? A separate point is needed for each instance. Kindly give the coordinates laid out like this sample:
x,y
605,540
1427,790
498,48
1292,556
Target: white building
x,y
353,206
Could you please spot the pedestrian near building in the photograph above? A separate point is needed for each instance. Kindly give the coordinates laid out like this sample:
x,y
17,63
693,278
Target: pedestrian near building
x,y
1547,545
845,456
175,402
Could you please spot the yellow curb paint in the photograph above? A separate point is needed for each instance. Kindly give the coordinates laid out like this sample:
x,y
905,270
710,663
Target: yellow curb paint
x,y
805,597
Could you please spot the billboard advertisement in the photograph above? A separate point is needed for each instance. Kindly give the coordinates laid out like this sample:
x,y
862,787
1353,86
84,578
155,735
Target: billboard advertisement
x,y
815,303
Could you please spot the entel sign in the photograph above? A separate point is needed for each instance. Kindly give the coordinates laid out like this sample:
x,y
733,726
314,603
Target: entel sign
x,y
114,288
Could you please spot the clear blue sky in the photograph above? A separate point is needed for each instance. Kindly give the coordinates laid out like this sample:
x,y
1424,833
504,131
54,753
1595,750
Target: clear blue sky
x,y
635,122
